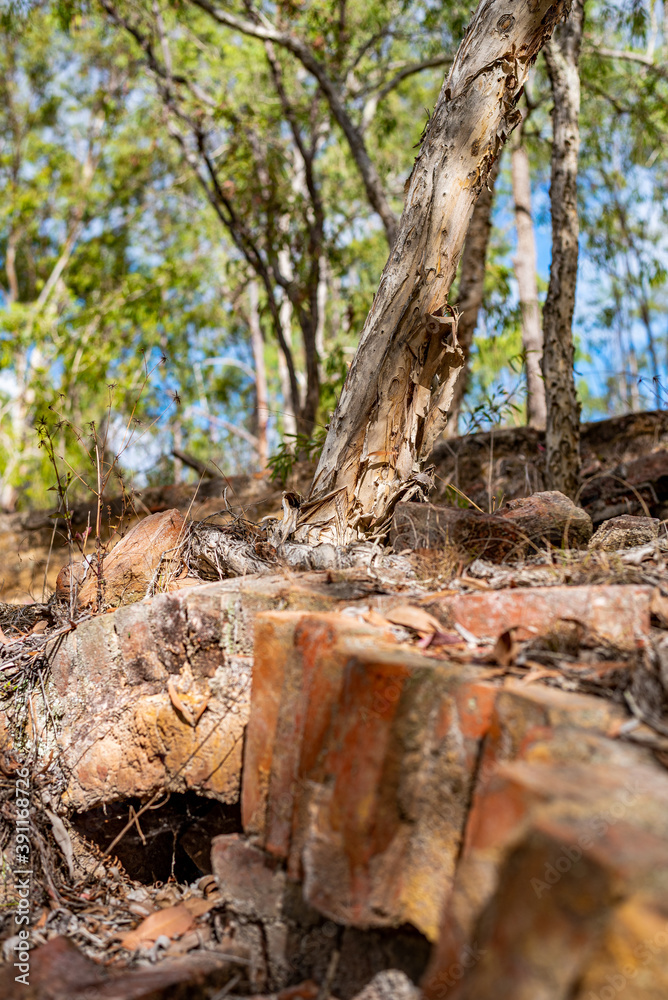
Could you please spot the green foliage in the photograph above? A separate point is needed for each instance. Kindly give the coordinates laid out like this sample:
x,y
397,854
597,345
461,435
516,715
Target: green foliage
x,y
104,270
111,256
293,448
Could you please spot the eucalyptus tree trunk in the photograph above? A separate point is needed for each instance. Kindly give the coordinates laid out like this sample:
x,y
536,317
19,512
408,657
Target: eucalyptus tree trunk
x,y
527,280
562,439
472,288
400,385
291,405
261,393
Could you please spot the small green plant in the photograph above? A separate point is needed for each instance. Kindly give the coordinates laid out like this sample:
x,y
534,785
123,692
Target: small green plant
x,y
293,448
455,498
103,466
495,406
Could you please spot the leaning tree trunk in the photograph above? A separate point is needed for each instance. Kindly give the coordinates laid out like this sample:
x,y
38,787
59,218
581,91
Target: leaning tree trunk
x,y
562,439
400,385
471,288
527,280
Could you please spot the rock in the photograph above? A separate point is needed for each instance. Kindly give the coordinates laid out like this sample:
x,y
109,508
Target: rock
x,y
624,532
470,533
390,985
386,821
147,698
265,913
131,566
618,613
549,517
518,528
74,571
253,886
136,691
358,767
252,883
542,726
632,957
297,677
553,854
631,487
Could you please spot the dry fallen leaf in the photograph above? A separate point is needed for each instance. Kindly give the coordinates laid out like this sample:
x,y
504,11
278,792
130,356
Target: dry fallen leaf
x,y
170,922
539,673
372,617
190,707
62,838
415,618
175,700
505,649
659,607
471,581
197,906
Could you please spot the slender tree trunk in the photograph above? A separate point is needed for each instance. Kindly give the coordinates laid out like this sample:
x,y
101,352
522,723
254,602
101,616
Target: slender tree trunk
x,y
261,394
291,406
562,437
527,280
400,386
472,288
177,446
651,343
323,287
633,368
621,386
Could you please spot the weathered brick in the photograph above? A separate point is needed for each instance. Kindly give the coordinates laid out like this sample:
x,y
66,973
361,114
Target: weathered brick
x,y
618,613
387,821
297,675
552,850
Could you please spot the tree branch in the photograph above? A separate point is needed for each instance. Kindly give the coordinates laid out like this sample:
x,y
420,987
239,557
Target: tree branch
x,y
164,72
354,137
225,424
636,57
371,105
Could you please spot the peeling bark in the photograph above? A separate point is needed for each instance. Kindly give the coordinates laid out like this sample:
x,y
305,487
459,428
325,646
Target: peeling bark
x,y
562,437
526,273
215,552
472,287
400,386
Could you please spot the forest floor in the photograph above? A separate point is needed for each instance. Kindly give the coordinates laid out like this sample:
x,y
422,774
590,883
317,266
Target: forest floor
x,y
440,770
